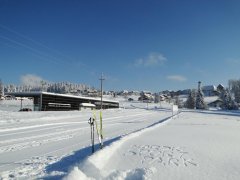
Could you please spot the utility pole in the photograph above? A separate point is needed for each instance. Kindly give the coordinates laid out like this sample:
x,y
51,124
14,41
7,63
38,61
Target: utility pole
x,y
101,79
21,102
101,134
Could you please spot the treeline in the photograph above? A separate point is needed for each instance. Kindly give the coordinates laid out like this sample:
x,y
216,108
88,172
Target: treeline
x,y
61,87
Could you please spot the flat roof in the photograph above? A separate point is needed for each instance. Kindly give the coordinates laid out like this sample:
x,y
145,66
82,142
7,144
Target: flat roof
x,y
38,93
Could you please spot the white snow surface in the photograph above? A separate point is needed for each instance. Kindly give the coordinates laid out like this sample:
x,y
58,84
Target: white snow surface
x,y
141,141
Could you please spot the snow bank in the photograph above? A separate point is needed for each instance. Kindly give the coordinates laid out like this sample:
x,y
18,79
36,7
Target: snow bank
x,y
77,174
139,173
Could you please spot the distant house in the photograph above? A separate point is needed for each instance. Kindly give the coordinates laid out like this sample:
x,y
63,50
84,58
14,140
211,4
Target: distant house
x,y
137,93
93,93
216,103
210,90
185,91
110,93
146,92
130,99
167,92
163,97
9,97
146,96
123,93
220,88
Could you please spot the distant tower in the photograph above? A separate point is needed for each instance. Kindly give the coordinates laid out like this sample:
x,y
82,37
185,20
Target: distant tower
x,y
199,85
3,90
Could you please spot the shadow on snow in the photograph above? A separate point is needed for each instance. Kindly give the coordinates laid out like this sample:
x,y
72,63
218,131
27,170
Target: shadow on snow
x,y
76,158
216,112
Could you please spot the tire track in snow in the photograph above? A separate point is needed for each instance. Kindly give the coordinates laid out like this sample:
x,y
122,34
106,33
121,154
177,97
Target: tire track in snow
x,y
53,124
108,121
66,135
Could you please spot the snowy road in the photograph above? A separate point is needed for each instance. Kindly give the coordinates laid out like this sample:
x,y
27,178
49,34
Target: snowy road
x,y
42,138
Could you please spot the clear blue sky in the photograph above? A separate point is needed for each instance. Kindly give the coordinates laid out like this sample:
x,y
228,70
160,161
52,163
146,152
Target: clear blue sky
x,y
138,45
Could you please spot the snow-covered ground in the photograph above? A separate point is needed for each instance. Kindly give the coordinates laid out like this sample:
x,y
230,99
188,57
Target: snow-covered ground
x,y
15,105
141,141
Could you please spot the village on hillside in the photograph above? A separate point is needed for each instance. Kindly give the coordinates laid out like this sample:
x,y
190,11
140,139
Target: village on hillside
x,y
222,97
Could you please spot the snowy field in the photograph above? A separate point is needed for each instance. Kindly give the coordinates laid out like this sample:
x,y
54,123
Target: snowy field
x,y
141,141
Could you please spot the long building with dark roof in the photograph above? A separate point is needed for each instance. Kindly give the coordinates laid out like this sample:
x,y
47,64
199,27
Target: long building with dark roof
x,y
45,101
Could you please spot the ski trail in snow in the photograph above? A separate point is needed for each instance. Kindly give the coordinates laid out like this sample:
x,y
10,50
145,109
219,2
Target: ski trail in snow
x,y
35,130
17,139
106,120
110,121
38,126
56,136
97,161
67,123
41,136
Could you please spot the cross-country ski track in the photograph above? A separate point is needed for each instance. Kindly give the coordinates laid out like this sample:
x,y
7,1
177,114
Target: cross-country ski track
x,y
26,141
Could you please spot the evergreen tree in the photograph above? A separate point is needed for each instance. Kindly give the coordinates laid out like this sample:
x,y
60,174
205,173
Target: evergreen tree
x,y
1,88
228,102
200,104
190,103
234,87
237,96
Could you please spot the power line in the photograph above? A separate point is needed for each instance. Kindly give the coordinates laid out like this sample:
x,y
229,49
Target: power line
x,y
28,47
41,53
29,39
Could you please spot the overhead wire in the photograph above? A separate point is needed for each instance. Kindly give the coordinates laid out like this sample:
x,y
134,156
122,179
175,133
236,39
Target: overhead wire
x,y
42,54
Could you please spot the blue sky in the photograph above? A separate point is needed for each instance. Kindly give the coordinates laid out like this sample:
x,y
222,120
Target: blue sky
x,y
136,44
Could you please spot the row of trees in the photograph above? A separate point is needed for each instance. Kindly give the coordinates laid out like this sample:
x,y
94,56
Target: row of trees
x,y
61,87
195,99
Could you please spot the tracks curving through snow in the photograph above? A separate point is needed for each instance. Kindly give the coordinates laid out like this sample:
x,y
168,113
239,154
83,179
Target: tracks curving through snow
x,y
60,136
